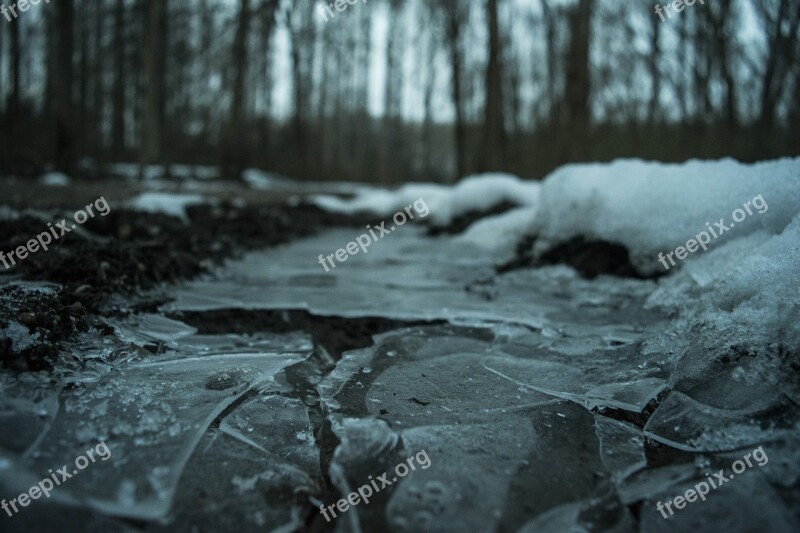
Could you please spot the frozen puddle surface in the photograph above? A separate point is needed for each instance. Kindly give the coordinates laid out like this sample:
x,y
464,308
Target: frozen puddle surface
x,y
410,277
543,401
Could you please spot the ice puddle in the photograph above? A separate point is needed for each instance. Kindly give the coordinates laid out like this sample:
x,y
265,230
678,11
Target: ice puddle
x,y
531,391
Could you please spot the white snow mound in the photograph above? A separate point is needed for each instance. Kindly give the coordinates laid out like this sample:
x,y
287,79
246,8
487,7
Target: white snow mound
x,y
55,179
475,193
655,207
167,203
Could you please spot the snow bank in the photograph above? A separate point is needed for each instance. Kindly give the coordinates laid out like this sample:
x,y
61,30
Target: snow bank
x,y
476,193
650,208
654,207
166,203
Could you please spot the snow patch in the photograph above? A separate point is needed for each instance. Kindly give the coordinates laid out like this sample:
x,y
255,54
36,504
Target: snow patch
x,y
166,203
264,181
475,193
500,234
55,179
745,293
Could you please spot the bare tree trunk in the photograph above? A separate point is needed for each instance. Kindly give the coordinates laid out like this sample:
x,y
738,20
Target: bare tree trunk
x,y
97,90
300,25
428,146
234,153
155,67
16,60
794,116
83,127
493,151
393,84
2,78
655,73
118,116
782,35
456,16
268,10
65,120
578,83
720,16
554,111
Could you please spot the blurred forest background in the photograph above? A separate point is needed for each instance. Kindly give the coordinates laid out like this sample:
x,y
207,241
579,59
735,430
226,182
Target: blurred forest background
x,y
390,90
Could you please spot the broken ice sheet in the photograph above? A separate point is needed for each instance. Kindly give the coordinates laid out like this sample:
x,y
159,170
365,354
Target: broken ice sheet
x,y
177,335
689,425
605,514
530,461
255,473
54,513
276,425
621,446
144,328
261,342
745,503
424,372
427,386
600,378
151,416
446,496
649,482
28,404
414,277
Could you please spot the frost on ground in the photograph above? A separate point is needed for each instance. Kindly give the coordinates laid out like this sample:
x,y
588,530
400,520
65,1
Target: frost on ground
x,y
545,401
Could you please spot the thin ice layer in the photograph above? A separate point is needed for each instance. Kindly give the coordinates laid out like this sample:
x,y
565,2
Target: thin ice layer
x,y
744,503
604,378
150,416
500,453
621,446
689,425
415,375
255,473
28,404
410,277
